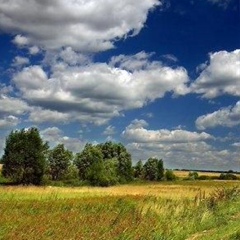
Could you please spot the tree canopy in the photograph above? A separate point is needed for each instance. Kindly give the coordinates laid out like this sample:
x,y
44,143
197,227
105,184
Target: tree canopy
x,y
28,160
24,158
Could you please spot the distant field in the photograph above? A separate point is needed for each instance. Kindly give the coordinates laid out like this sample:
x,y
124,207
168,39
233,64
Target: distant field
x,y
184,174
161,211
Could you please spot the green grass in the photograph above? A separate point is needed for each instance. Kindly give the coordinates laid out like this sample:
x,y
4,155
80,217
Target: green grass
x,y
94,213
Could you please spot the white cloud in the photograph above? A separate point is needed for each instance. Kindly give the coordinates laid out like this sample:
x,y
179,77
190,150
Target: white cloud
x,y
9,122
97,92
225,117
34,50
237,144
20,40
86,25
221,76
137,132
20,61
177,148
110,130
39,115
73,58
12,106
56,136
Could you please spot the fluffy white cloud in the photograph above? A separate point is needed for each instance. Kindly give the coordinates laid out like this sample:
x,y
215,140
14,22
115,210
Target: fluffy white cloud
x,y
34,50
39,115
56,136
21,41
220,76
86,25
72,58
137,132
226,117
9,122
97,92
20,61
12,106
177,148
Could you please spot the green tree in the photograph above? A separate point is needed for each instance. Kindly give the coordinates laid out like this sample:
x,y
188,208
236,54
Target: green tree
x,y
138,170
169,175
193,175
91,154
153,169
117,151
24,158
59,161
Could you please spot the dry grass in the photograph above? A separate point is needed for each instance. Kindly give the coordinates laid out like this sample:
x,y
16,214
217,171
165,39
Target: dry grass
x,y
145,211
172,190
184,174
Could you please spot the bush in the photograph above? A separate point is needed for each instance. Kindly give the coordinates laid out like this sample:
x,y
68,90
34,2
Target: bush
x,y
228,176
170,176
204,177
193,175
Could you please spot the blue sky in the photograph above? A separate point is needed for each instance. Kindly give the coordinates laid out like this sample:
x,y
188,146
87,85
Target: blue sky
x,y
162,77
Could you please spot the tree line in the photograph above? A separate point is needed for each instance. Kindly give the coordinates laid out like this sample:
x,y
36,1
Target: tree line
x,y
27,159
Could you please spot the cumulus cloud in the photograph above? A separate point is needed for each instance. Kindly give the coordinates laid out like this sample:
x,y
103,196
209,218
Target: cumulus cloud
x,y
20,61
20,40
14,106
137,132
34,50
86,25
225,117
220,76
177,148
97,92
9,122
39,115
56,136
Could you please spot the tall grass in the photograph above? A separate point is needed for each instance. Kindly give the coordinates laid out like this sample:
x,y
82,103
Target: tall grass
x,y
146,212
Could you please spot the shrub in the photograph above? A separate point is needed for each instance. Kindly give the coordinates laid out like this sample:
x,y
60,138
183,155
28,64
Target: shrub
x,y
193,175
228,176
170,176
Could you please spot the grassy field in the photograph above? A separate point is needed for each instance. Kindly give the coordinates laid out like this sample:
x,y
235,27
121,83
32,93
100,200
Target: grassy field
x,y
184,174
161,211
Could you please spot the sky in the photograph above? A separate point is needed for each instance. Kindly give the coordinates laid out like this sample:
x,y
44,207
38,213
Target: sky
x,y
160,76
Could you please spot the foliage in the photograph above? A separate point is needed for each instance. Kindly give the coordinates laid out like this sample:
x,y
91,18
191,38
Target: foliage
x,y
59,161
169,175
193,175
228,176
138,170
117,151
24,158
84,160
104,164
153,169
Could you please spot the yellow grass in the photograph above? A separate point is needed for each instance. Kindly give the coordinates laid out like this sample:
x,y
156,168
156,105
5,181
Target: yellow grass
x,y
178,190
184,174
163,210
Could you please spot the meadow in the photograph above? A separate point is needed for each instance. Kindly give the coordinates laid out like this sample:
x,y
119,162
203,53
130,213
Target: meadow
x,y
163,210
